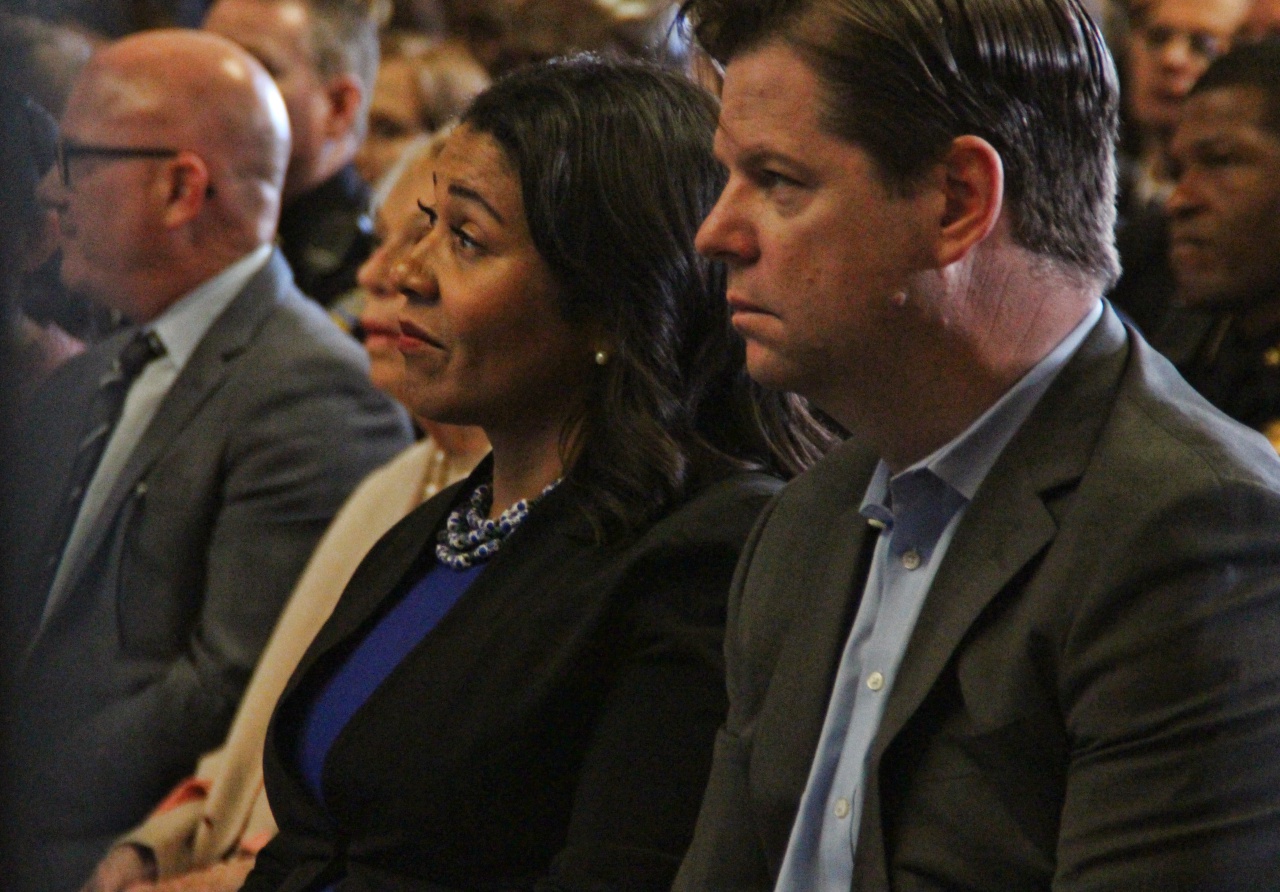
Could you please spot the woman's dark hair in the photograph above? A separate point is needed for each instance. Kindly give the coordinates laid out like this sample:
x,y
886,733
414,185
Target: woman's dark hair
x,y
616,173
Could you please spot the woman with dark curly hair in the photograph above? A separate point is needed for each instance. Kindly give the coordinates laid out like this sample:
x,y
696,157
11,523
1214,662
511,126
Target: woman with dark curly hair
x,y
521,685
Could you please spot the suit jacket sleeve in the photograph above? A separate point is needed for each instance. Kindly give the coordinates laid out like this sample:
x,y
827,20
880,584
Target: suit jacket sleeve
x,y
1171,689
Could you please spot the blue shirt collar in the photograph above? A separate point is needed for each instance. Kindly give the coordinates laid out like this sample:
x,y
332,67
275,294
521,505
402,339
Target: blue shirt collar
x,y
921,500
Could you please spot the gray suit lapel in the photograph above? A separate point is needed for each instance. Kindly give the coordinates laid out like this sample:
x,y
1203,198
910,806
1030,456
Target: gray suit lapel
x,y
203,374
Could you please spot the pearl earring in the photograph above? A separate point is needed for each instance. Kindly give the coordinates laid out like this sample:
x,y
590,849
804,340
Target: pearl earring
x,y
602,357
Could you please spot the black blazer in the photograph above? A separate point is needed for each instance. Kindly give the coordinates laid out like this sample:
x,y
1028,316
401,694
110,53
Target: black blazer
x,y
553,731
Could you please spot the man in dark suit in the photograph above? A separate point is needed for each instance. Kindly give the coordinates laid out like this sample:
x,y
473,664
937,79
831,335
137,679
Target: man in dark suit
x,y
1019,632
173,480
323,55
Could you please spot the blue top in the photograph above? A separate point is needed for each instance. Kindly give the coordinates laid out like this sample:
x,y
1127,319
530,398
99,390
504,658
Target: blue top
x,y
373,660
918,511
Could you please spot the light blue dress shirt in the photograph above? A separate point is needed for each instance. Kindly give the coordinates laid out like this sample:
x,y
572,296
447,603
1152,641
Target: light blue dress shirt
x,y
918,512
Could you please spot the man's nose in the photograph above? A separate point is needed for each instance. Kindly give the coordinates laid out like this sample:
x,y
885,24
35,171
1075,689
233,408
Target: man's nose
x,y
726,234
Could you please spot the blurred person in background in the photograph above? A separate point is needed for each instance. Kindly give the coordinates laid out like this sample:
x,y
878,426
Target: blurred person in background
x,y
504,35
1168,46
205,835
111,19
323,55
1262,22
520,686
28,152
28,351
1171,43
422,85
44,60
172,480
1225,233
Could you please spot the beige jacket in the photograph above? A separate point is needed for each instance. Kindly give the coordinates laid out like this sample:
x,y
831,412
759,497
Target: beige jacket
x,y
223,809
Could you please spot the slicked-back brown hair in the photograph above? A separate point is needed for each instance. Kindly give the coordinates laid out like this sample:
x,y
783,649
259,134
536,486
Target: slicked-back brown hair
x,y
903,78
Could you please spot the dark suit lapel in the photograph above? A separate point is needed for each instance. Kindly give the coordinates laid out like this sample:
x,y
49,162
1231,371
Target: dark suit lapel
x,y
816,639
378,577
1010,519
383,573
406,553
204,373
400,559
1004,528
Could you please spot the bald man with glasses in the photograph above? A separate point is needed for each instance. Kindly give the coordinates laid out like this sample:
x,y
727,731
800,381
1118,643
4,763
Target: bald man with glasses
x,y
172,481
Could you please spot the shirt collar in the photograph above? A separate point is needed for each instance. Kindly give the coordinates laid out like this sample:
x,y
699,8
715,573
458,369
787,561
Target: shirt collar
x,y
933,489
184,324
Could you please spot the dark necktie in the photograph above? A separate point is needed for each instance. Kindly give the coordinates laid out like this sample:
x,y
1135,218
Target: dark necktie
x,y
104,412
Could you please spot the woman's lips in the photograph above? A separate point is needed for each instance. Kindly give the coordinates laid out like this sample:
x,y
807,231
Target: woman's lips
x,y
739,305
379,334
414,339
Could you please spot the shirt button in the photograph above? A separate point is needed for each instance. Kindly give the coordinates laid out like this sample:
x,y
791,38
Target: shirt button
x,y
842,808
911,559
875,681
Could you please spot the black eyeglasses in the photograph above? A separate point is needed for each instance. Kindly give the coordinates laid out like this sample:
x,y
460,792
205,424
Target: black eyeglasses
x,y
69,149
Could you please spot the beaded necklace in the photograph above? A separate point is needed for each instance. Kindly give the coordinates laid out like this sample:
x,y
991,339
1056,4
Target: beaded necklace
x,y
469,537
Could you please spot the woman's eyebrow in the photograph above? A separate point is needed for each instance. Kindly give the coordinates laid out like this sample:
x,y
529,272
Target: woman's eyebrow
x,y
468,194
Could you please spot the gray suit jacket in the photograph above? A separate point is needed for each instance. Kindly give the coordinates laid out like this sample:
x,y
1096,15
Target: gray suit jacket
x,y
139,665
1090,699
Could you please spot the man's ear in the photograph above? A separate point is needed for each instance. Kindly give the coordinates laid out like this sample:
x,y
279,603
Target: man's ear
x,y
973,186
187,188
346,97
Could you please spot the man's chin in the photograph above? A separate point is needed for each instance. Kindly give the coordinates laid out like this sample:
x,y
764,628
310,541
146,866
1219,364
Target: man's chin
x,y
765,368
